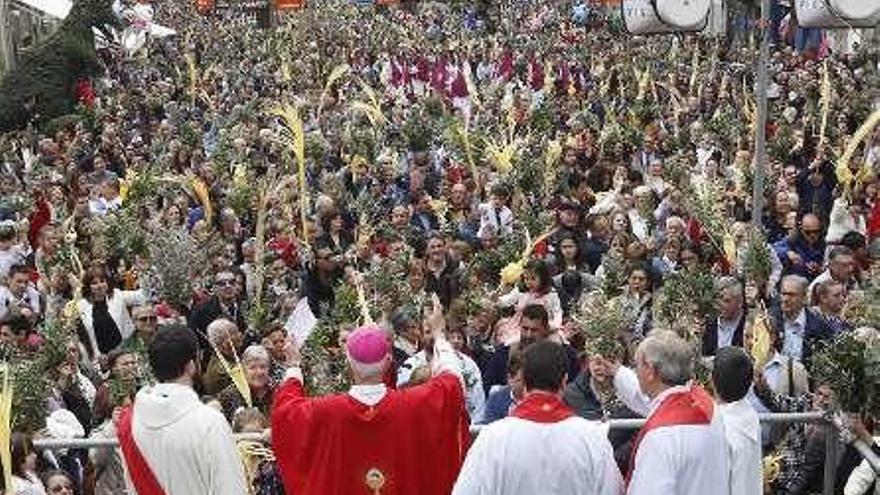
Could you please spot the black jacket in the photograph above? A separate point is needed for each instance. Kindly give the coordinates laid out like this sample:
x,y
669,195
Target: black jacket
x,y
710,335
202,316
496,369
447,285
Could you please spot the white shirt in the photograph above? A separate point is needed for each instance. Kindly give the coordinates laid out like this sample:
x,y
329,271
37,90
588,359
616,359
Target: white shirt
x,y
501,220
474,395
187,445
679,460
117,305
726,330
520,300
15,255
822,277
30,299
793,344
100,206
743,433
515,456
31,485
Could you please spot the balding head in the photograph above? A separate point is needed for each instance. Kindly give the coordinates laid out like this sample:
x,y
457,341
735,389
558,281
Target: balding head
x,y
811,228
224,336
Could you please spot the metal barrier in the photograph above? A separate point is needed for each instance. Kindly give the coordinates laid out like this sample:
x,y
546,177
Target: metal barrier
x,y
831,439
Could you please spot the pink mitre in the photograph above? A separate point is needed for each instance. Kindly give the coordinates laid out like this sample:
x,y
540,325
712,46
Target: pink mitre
x,y
368,344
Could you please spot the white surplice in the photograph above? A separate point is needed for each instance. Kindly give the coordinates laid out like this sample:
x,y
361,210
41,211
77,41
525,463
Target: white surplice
x,y
515,456
743,432
674,460
187,445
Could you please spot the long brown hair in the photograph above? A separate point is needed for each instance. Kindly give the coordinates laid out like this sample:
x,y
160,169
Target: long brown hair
x,y
21,446
93,274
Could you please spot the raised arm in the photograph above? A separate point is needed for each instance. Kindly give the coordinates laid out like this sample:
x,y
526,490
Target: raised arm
x,y
445,359
291,414
626,385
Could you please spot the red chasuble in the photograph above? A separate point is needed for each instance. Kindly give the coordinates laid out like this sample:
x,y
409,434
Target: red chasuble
x,y
139,471
412,442
690,407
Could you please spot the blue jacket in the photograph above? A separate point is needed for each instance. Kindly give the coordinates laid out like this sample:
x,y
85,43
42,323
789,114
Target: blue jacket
x,y
808,254
496,368
497,405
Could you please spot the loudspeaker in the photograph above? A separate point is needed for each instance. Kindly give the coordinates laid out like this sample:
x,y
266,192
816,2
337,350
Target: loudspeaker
x,y
837,13
664,16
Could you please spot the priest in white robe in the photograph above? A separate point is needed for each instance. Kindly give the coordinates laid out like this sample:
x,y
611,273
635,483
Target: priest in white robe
x,y
171,442
542,447
681,450
732,373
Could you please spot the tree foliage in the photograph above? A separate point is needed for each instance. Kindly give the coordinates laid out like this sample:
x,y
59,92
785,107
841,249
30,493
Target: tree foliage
x,y
42,85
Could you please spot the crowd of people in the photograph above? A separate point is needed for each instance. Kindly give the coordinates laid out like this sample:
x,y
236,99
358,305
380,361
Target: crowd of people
x,y
442,216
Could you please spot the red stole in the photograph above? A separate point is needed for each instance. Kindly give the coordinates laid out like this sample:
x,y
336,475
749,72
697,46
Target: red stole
x,y
689,407
41,217
458,89
139,471
505,67
423,70
536,75
438,78
542,407
396,73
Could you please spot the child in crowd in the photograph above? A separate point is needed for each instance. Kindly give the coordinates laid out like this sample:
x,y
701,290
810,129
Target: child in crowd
x,y
259,463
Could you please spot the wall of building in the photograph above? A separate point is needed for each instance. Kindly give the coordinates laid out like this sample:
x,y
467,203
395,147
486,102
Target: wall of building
x,y
20,28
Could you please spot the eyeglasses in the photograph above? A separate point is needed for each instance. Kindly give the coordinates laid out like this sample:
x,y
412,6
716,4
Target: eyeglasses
x,y
148,318
225,282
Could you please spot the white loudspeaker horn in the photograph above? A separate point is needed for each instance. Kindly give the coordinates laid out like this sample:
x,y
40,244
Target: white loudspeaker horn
x,y
837,13
857,9
664,16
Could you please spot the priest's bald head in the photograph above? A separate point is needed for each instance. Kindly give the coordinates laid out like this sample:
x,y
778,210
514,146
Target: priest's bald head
x,y
663,360
369,354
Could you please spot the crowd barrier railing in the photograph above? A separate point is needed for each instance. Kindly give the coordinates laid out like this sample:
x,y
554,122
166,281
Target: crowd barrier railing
x,y
831,439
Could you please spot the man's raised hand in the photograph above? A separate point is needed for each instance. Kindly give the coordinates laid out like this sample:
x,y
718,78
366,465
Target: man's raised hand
x,y
292,356
435,321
